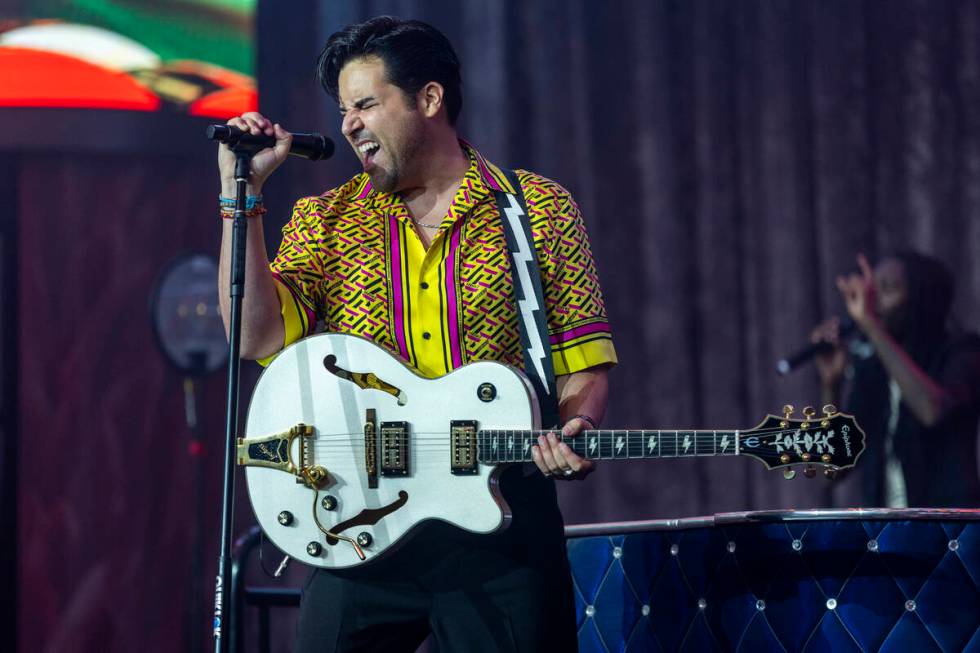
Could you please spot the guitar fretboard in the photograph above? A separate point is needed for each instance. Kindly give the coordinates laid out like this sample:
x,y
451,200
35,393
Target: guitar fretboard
x,y
511,446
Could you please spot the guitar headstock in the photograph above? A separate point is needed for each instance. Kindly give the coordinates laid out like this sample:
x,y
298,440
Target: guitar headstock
x,y
833,441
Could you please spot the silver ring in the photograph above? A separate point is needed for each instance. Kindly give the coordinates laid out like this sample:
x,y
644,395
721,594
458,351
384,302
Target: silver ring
x,y
569,472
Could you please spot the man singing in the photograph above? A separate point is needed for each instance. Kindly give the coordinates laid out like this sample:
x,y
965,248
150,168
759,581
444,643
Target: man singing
x,y
411,253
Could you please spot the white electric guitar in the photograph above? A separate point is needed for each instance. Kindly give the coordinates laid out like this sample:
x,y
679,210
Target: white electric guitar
x,y
347,449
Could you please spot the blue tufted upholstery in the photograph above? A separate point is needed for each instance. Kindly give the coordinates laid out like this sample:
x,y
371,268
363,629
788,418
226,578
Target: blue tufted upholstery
x,y
800,581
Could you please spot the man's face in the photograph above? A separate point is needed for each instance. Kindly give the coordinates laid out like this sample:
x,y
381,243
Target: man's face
x,y
381,124
891,295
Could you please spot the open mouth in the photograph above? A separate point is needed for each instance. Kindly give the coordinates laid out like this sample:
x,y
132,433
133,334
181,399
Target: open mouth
x,y
367,150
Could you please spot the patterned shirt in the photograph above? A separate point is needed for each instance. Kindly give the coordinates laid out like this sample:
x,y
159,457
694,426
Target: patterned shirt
x,y
351,260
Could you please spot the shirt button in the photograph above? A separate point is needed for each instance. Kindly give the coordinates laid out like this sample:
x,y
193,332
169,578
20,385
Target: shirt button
x,y
426,335
424,285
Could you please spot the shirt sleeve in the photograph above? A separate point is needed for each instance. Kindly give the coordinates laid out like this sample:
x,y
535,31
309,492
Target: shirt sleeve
x,y
577,322
297,271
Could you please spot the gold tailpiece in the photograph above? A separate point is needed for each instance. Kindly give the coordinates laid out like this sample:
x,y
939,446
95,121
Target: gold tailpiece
x,y
275,452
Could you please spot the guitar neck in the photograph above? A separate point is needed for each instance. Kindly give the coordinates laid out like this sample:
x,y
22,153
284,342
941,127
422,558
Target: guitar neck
x,y
512,446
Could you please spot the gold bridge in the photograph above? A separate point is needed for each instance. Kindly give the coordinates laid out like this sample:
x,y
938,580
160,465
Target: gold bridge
x,y
275,452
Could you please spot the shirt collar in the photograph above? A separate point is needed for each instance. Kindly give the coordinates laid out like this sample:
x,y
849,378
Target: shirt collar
x,y
481,178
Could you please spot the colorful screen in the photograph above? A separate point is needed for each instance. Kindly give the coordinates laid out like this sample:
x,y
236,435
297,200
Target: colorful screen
x,y
194,57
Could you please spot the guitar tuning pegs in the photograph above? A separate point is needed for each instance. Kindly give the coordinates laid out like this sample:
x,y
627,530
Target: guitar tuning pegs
x,y
789,474
788,410
831,474
809,471
829,410
808,412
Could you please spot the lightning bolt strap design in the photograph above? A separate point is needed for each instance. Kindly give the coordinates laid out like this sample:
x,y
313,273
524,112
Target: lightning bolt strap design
x,y
524,259
549,208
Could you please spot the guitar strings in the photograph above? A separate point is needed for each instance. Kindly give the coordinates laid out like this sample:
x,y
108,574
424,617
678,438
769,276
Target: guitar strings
x,y
441,440
486,433
423,438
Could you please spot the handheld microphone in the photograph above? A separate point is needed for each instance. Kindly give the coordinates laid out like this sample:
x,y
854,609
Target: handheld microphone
x,y
790,363
314,147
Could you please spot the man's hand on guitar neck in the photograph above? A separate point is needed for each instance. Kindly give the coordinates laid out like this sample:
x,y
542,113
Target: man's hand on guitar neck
x,y
582,404
555,458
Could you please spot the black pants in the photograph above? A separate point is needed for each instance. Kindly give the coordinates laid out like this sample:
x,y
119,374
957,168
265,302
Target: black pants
x,y
506,592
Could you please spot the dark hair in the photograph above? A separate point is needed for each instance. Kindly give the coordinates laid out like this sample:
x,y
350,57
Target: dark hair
x,y
929,287
414,54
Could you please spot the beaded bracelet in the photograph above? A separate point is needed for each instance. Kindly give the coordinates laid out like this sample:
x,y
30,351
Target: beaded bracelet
x,y
250,201
228,212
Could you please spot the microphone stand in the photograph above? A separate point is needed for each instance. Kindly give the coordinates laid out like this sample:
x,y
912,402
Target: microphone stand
x,y
223,608
198,368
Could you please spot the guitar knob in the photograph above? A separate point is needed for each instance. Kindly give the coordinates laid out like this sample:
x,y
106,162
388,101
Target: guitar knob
x,y
808,412
809,471
314,549
788,410
486,392
789,474
285,518
829,410
364,539
831,474
328,502
825,458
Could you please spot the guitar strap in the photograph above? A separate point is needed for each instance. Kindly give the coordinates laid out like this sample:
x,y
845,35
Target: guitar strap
x,y
529,299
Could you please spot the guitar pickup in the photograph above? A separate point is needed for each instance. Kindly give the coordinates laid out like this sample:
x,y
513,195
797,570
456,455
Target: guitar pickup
x,y
394,448
462,448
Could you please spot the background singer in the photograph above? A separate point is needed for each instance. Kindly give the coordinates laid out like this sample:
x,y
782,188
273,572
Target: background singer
x,y
915,390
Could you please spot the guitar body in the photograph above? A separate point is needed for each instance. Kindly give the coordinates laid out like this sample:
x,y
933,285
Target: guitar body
x,y
299,388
